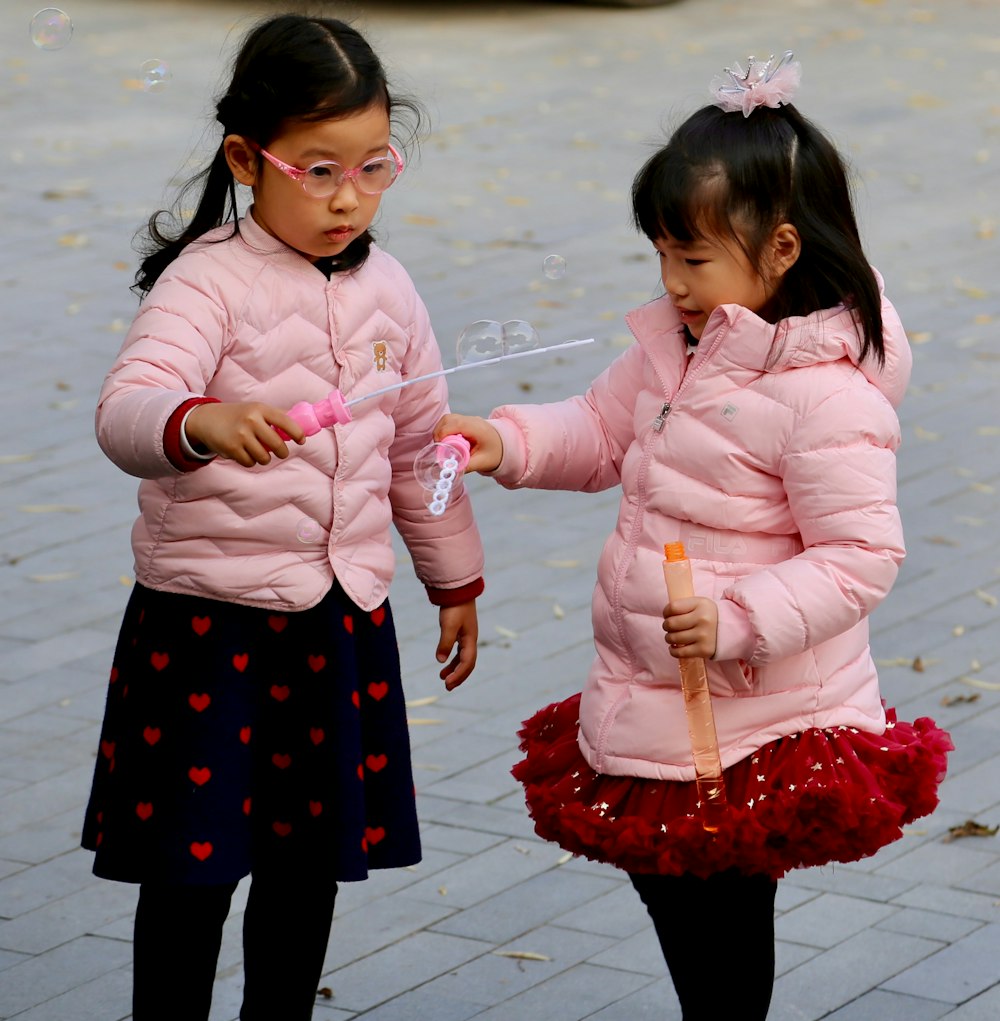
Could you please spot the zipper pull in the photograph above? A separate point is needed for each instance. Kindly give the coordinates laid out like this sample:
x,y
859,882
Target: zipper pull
x,y
661,418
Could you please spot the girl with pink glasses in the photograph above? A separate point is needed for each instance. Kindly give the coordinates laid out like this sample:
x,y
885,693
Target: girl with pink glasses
x,y
255,721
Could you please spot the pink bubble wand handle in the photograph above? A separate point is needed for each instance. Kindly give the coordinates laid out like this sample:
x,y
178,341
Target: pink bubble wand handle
x,y
709,781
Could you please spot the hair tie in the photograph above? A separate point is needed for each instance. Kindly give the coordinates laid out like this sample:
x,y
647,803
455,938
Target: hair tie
x,y
764,83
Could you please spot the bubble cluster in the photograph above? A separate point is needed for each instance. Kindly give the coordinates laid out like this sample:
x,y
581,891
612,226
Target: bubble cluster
x,y
155,75
438,468
554,267
51,29
486,338
309,531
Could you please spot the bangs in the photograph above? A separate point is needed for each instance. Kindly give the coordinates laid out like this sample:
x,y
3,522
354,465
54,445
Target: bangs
x,y
672,196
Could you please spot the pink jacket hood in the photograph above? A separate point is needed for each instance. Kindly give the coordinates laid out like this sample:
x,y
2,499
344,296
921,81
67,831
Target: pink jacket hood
x,y
245,318
770,453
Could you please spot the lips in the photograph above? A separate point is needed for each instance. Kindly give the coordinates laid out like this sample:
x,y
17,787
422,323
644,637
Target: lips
x,y
687,315
339,234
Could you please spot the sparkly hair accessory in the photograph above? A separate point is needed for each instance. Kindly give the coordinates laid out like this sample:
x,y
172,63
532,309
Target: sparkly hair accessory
x,y
764,83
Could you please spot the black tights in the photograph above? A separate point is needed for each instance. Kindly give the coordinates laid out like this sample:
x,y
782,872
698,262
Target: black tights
x,y
717,936
178,932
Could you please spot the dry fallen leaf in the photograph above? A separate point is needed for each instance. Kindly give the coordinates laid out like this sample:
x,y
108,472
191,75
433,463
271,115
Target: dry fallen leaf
x,y
987,597
522,955
558,612
326,992
958,699
975,682
567,564
564,858
918,665
505,631
958,630
970,828
422,721
413,703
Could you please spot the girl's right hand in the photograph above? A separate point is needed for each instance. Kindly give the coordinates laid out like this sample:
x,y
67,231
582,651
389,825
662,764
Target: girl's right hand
x,y
486,446
241,432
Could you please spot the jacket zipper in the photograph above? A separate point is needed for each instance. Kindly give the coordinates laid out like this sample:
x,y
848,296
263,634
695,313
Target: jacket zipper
x,y
661,418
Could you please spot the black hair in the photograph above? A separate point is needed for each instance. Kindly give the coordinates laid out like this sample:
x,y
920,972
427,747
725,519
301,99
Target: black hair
x,y
727,176
289,67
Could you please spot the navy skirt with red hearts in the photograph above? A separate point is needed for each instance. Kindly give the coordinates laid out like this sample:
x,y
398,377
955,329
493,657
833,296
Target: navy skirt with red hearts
x,y
236,738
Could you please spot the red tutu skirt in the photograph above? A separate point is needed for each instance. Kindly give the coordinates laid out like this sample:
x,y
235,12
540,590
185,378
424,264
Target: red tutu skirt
x,y
836,794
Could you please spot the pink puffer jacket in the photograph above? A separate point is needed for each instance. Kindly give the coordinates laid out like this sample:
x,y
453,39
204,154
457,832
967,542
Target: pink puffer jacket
x,y
248,319
771,456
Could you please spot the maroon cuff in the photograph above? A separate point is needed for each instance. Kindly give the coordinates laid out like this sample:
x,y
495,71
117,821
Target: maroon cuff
x,y
172,435
456,596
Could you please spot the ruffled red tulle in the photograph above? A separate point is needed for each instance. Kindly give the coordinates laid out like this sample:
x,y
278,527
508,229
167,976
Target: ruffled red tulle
x,y
827,795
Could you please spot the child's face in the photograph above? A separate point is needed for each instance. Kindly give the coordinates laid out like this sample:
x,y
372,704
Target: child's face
x,y
701,274
318,227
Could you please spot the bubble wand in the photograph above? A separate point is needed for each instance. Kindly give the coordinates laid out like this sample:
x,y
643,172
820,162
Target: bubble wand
x,y
709,782
334,410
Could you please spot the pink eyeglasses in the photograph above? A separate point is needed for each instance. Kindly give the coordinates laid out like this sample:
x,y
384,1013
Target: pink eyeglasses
x,y
323,179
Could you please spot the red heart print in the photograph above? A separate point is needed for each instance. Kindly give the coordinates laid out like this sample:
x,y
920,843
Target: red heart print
x,y
100,817
277,623
199,703
201,624
316,663
114,674
159,660
315,808
316,735
99,840
279,692
378,615
281,760
364,843
348,623
281,828
240,661
200,775
376,763
201,850
361,771
356,699
144,810
151,735
246,806
374,835
107,749
378,690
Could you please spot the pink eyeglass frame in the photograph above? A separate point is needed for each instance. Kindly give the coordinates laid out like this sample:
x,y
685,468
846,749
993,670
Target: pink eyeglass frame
x,y
349,175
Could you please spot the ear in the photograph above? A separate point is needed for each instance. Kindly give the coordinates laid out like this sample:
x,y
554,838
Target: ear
x,y
785,248
242,160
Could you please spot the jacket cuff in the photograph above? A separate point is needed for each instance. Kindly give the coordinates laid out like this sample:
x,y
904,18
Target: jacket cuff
x,y
173,446
736,639
514,460
456,596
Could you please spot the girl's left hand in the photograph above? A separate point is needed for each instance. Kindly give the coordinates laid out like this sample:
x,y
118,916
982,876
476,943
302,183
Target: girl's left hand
x,y
459,626
692,627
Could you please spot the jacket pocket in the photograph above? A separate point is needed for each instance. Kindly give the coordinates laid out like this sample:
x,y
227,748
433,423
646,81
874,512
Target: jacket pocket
x,y
730,677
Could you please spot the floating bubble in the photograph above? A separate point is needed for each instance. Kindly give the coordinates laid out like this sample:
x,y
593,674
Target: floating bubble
x,y
437,462
155,75
51,29
309,531
554,267
518,335
480,340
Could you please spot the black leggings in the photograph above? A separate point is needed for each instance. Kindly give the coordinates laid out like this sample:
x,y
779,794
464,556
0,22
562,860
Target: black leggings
x,y
717,936
178,932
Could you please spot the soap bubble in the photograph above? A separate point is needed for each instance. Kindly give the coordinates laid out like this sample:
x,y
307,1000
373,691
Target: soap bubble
x,y
155,75
308,531
518,335
51,29
479,341
554,267
438,463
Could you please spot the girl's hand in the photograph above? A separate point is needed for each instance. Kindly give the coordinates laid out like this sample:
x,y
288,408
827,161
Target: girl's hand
x,y
242,432
692,627
484,441
459,625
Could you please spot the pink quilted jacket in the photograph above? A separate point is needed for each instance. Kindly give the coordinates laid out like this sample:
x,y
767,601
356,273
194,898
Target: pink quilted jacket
x,y
248,319
771,455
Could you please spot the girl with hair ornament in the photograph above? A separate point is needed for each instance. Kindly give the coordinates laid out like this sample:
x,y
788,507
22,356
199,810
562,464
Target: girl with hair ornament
x,y
255,720
754,422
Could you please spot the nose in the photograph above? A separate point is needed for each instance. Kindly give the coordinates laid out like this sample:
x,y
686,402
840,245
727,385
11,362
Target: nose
x,y
345,198
673,282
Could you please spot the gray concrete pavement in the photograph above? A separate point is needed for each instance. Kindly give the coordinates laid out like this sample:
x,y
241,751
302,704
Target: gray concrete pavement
x,y
541,113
